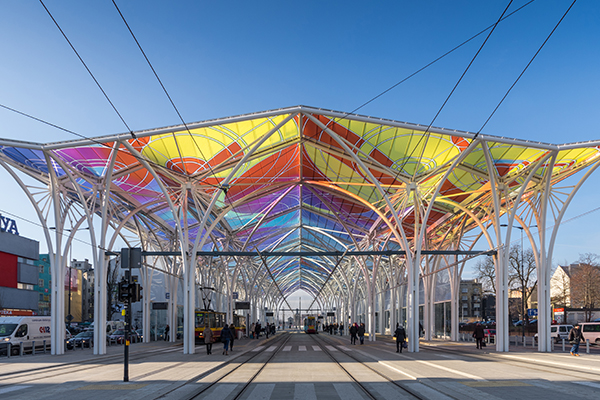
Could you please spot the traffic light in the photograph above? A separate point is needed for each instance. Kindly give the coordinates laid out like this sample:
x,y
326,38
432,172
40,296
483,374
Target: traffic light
x,y
124,291
136,294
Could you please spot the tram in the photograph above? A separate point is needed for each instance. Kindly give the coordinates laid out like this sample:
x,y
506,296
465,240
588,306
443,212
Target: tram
x,y
310,324
216,321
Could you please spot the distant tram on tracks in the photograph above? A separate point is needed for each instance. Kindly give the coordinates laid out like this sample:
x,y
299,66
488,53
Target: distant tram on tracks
x,y
215,321
310,324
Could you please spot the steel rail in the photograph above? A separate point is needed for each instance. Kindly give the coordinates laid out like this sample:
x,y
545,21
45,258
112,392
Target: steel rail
x,y
387,378
200,391
339,364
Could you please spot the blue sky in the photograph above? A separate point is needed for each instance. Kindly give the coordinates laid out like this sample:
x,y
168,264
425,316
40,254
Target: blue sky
x,y
225,58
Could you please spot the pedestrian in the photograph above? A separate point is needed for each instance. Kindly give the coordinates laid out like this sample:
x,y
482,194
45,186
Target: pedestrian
x,y
226,338
251,333
361,333
208,339
267,328
167,332
575,337
478,334
257,330
400,335
353,332
232,329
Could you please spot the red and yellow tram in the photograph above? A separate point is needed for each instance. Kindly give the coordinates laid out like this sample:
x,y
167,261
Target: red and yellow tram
x,y
215,321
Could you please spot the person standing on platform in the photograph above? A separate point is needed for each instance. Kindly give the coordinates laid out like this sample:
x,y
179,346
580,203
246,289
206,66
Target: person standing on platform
x,y
353,332
478,334
257,330
400,335
225,338
167,332
575,337
208,339
232,329
361,333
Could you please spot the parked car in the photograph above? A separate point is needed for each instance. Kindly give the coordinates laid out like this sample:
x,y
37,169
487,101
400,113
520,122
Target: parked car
x,y
488,332
119,336
82,339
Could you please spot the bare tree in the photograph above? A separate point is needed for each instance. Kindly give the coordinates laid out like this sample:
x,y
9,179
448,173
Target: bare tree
x,y
522,273
585,284
485,271
112,274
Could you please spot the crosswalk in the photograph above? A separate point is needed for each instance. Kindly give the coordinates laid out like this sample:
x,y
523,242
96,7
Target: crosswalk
x,y
303,391
299,348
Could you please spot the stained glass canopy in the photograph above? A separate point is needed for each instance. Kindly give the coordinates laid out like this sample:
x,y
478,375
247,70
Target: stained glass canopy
x,y
298,179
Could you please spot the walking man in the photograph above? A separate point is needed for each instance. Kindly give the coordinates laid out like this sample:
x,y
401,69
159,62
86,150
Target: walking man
x,y
353,332
575,337
225,338
400,335
478,334
361,333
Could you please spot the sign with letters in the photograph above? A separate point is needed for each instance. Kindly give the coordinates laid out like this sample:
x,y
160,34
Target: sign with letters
x,y
8,225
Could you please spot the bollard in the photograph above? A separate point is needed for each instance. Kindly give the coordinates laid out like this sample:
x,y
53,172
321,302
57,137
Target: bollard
x,y
587,346
563,344
9,350
21,349
44,346
33,348
523,341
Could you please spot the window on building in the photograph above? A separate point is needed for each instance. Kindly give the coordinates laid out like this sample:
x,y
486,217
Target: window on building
x,y
40,282
41,269
476,290
24,286
465,290
464,298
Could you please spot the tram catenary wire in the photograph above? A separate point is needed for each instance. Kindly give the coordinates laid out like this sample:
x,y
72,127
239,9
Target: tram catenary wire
x,y
405,389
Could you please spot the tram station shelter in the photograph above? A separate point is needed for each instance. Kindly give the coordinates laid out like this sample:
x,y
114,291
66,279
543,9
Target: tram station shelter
x,y
351,209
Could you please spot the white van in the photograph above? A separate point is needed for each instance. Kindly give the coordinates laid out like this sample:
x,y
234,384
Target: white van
x,y
15,330
591,331
558,332
111,326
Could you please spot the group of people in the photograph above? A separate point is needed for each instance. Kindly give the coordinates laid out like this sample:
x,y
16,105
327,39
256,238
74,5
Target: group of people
x,y
357,330
333,329
227,338
256,329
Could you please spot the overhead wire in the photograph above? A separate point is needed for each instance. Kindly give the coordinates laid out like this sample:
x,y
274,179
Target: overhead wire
x,y
425,135
167,94
524,69
88,70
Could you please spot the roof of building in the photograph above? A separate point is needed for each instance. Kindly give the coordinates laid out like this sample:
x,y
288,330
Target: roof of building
x,y
297,179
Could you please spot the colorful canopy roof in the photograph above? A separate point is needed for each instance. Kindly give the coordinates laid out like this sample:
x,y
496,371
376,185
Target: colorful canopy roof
x,y
299,179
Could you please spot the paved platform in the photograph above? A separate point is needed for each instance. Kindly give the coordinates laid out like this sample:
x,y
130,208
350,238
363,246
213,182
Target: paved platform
x,y
303,369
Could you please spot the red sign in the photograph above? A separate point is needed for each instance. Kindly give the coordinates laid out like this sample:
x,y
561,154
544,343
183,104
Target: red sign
x,y
17,312
559,310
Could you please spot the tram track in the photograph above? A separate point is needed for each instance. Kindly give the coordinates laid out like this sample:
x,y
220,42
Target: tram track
x,y
407,390
280,341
